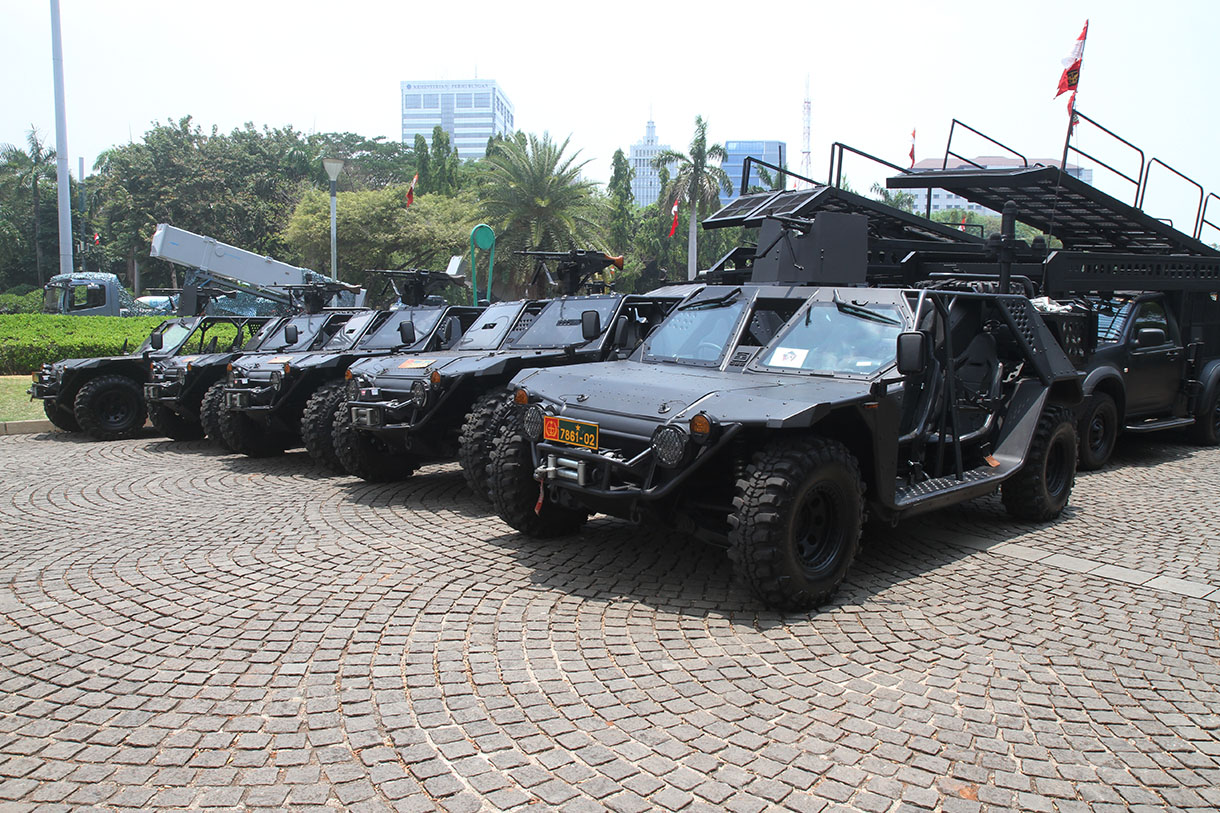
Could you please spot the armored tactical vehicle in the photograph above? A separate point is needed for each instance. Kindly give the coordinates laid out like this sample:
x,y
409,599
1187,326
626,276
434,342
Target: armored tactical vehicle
x,y
289,394
1150,289
102,396
400,412
771,416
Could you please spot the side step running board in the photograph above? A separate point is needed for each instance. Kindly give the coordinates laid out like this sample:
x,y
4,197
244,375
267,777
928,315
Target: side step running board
x,y
982,479
1156,426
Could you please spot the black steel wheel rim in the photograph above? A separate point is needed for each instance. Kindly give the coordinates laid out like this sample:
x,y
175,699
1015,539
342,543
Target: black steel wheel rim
x,y
818,529
116,409
1099,432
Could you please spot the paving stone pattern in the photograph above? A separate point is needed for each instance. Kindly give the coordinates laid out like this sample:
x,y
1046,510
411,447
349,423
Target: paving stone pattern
x,y
181,628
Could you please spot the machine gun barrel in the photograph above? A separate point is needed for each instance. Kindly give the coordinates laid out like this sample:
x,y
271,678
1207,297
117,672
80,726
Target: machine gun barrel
x,y
577,257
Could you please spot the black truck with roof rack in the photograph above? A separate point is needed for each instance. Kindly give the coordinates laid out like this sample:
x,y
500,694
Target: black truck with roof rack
x,y
1150,291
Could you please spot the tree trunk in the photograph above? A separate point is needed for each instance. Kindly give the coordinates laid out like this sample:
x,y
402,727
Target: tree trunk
x,y
37,234
692,246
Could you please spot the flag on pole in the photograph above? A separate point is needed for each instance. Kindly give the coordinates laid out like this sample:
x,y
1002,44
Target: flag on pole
x,y
674,226
1072,112
97,239
411,190
1071,65
912,149
963,226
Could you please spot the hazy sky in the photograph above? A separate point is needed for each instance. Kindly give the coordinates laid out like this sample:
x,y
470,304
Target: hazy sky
x,y
595,71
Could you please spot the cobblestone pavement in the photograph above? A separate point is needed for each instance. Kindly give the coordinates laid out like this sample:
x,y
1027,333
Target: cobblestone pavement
x,y
184,628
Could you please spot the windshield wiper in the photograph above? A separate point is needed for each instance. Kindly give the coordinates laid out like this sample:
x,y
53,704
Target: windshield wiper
x,y
718,302
864,313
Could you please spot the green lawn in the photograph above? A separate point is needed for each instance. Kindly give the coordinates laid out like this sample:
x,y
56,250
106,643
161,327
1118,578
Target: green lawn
x,y
15,405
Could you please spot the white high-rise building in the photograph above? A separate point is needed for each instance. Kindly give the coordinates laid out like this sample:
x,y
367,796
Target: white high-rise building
x,y
470,111
646,185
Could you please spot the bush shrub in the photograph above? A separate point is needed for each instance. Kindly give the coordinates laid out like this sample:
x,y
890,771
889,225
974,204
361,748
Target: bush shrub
x,y
26,302
29,340
22,289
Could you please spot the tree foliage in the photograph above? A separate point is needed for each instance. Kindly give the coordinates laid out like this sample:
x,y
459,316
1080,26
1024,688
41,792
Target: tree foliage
x,y
698,183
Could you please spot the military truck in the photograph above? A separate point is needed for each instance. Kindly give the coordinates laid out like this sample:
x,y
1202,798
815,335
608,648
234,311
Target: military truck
x,y
400,412
289,393
1150,289
93,293
102,396
772,414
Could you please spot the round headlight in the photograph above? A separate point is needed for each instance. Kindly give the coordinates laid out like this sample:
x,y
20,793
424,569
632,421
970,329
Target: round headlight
x,y
230,376
669,445
532,422
182,372
275,378
419,393
353,389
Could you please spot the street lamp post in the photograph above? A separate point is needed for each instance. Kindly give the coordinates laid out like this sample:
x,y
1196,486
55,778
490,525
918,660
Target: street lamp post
x,y
333,167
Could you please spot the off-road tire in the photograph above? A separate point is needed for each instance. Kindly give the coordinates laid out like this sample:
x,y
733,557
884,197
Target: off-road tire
x,y
247,436
514,491
1206,431
812,486
365,455
1098,431
60,417
478,431
110,407
173,425
1040,490
210,410
318,424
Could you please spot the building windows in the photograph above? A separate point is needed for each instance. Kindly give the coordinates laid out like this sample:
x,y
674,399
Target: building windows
x,y
462,101
411,101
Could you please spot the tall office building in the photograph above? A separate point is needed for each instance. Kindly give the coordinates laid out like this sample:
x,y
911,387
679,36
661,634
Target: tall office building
x,y
773,152
470,111
646,185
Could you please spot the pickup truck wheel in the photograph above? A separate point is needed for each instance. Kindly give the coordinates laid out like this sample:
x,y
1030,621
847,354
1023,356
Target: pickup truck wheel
x,y
1098,430
60,417
478,431
318,425
247,436
173,425
210,409
515,493
1206,430
796,522
1040,490
110,407
364,454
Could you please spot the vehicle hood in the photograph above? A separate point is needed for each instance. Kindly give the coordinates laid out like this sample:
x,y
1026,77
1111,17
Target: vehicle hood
x,y
667,393
266,362
384,371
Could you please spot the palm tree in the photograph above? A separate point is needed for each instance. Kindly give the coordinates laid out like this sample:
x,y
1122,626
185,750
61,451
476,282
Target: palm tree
x,y
28,168
534,196
697,182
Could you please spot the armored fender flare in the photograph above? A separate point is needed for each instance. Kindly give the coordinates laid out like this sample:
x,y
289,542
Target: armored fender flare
x,y
1109,379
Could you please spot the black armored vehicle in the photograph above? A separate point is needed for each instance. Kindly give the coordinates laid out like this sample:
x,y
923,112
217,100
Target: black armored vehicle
x,y
103,397
401,411
772,416
289,392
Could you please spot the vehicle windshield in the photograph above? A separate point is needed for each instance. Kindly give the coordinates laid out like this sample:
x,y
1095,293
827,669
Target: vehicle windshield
x,y
851,340
173,333
52,299
698,332
262,334
347,335
1112,318
491,327
387,337
559,323
308,326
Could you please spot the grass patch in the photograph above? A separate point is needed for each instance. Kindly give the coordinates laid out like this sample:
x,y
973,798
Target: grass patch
x,y
15,404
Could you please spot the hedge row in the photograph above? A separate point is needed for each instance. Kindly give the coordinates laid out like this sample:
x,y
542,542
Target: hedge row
x,y
29,340
30,302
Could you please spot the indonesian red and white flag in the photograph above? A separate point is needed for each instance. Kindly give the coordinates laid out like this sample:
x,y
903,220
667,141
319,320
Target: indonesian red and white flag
x,y
674,226
912,149
963,226
1071,65
411,190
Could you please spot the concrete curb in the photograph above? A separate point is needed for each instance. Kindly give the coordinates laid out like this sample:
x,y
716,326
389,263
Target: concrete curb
x,y
26,427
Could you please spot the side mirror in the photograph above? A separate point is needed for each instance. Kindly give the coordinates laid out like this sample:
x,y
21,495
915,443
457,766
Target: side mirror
x,y
406,332
590,325
157,340
1150,337
291,334
912,352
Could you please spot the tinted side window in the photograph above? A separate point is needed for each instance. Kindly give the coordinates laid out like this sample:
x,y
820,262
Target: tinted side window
x,y
1151,314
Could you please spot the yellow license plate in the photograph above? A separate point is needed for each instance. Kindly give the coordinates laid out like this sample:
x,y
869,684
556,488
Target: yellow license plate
x,y
573,433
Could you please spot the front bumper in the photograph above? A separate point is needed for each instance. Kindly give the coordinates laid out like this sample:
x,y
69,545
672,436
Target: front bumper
x,y
163,391
251,399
